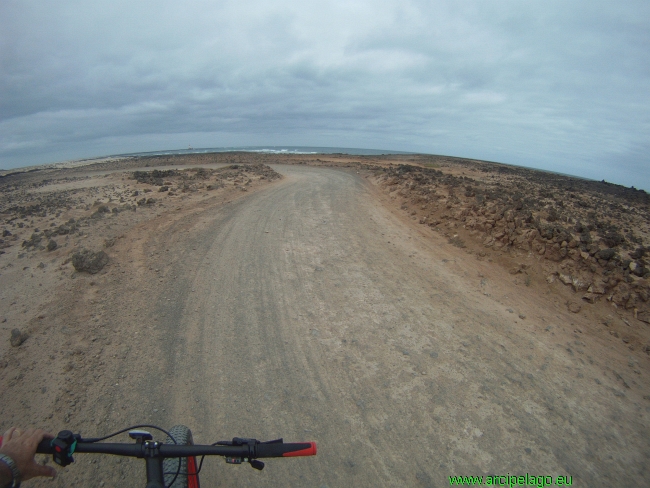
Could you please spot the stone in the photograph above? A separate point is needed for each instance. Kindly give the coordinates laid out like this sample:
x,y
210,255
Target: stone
x,y
590,297
606,254
598,288
91,262
17,337
579,285
639,270
566,279
52,245
574,307
644,317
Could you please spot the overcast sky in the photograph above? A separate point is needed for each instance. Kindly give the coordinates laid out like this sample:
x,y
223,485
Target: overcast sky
x,y
563,86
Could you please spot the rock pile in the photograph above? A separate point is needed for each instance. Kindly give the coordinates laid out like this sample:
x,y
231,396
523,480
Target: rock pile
x,y
598,251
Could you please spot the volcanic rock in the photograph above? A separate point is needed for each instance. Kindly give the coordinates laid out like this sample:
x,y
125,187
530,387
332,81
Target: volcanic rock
x,y
17,337
91,262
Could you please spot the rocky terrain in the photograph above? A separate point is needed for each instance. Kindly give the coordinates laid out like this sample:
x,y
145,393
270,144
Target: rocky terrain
x,y
43,210
58,224
593,237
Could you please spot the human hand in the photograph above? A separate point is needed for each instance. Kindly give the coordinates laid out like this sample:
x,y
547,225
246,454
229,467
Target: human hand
x,y
21,446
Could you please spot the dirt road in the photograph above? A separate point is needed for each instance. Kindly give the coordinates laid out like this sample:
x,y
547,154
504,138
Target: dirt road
x,y
309,311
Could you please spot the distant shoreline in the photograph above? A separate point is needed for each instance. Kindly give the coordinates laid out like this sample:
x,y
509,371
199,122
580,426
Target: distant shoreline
x,y
74,163
289,150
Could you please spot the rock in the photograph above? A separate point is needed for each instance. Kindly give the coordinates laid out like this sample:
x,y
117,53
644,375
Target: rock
x,y
566,279
33,241
91,262
522,316
598,288
637,269
151,201
17,337
644,317
590,297
165,188
550,278
579,285
574,307
6,233
52,245
606,254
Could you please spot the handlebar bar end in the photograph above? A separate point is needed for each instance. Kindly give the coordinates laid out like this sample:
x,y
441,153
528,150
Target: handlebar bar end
x,y
309,451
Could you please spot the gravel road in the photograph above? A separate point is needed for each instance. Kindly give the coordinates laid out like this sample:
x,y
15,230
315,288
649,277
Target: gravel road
x,y
309,311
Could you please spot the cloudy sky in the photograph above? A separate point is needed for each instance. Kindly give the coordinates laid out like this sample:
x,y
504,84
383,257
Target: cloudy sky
x,y
563,86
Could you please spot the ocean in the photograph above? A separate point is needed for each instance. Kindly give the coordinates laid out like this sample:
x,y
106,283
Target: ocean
x,y
269,150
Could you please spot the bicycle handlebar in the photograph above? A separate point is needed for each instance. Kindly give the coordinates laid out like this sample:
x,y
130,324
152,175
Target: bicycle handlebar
x,y
251,450
154,453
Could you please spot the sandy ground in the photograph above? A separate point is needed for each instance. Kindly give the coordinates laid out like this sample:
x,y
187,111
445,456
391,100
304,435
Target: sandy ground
x,y
314,308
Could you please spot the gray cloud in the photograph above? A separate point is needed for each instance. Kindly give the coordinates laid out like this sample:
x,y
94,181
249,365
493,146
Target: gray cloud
x,y
556,85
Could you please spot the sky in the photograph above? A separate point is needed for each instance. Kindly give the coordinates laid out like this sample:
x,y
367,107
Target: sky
x,y
557,85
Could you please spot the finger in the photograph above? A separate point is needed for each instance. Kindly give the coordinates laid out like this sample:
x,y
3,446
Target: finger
x,y
40,470
7,435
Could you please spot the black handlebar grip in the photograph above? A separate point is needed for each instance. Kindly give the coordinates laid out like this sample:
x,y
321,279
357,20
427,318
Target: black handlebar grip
x,y
288,449
45,447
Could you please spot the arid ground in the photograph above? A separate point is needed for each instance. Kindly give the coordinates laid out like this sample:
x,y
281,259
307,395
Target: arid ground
x,y
417,316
